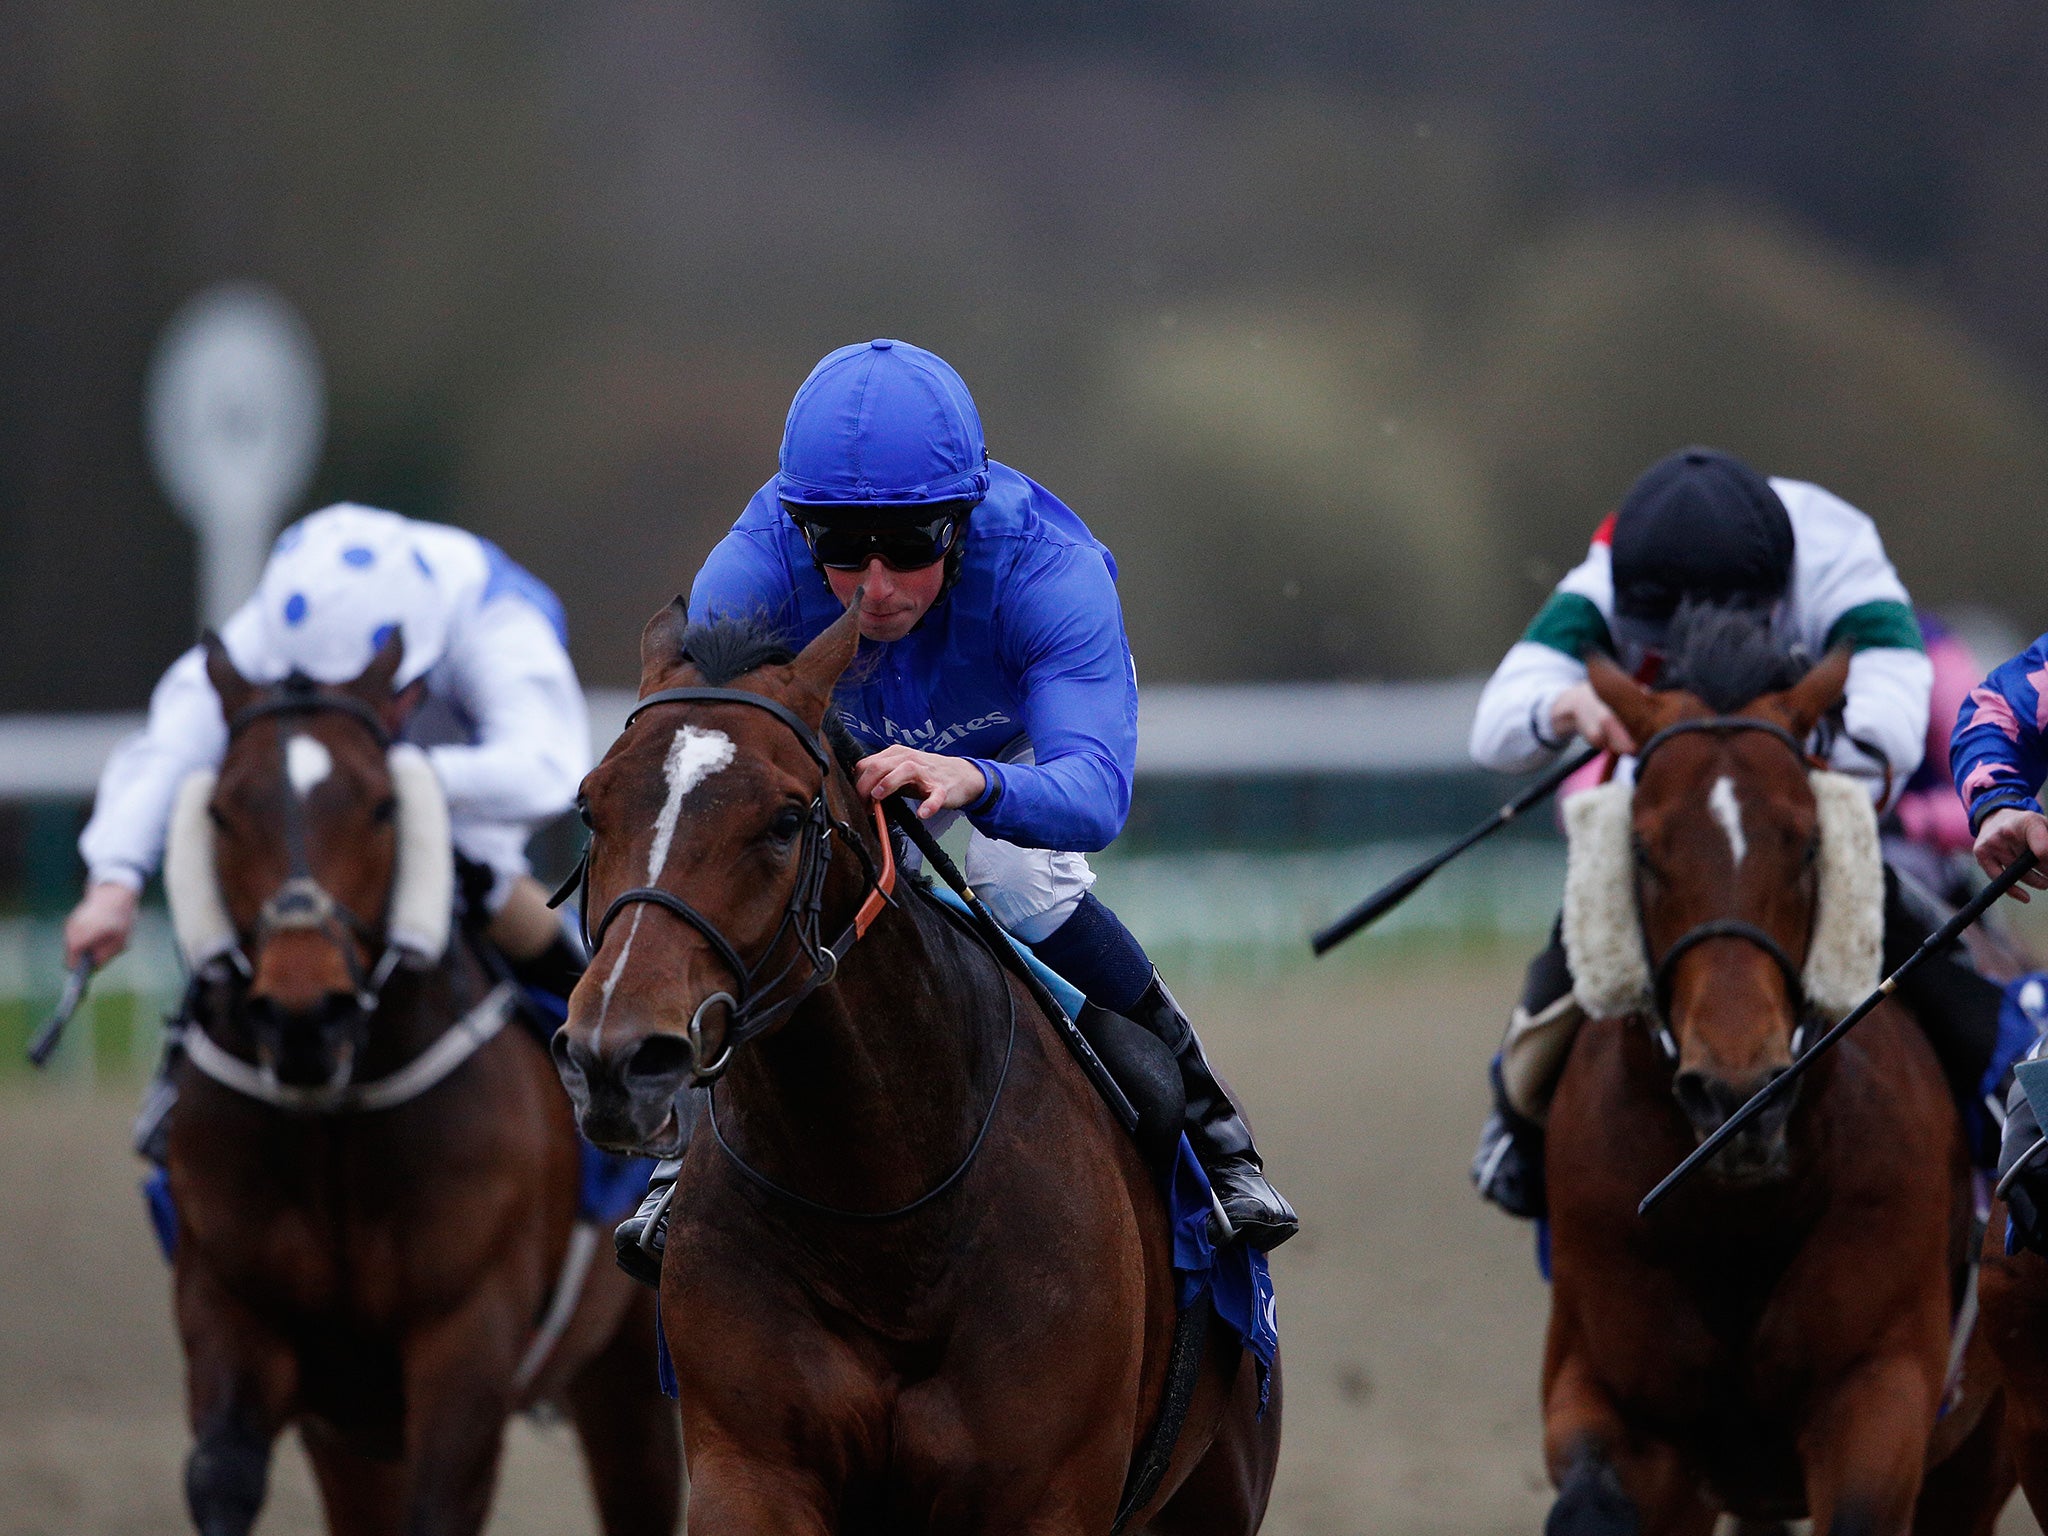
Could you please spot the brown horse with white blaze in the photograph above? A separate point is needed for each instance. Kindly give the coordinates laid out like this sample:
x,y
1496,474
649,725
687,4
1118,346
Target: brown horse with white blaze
x,y
1773,1341
375,1175
917,1278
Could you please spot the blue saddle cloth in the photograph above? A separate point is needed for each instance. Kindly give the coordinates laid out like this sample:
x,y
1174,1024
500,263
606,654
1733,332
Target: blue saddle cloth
x,y
1238,1279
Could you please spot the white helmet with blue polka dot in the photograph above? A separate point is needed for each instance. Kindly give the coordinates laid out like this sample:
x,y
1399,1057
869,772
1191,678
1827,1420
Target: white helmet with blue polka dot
x,y
338,582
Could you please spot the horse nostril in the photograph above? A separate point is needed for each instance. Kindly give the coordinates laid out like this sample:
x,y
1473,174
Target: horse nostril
x,y
663,1060
1702,1098
573,1060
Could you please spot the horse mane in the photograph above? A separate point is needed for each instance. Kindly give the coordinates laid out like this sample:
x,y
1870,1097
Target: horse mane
x,y
725,650
1728,655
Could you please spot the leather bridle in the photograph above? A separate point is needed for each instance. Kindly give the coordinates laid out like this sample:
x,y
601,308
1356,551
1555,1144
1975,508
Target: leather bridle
x,y
302,903
1664,968
748,1013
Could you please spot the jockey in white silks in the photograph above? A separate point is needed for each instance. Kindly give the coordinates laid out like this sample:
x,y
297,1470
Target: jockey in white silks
x,y
502,720
1701,526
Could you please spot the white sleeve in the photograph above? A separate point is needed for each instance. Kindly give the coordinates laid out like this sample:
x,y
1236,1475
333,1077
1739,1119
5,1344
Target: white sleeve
x,y
1885,704
124,841
1515,702
1839,561
516,683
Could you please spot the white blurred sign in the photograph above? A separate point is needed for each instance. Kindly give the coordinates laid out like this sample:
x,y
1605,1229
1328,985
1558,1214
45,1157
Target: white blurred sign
x,y
234,411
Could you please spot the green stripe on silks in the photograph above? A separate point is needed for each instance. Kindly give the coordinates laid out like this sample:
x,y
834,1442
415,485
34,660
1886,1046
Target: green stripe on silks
x,y
1876,626
1571,624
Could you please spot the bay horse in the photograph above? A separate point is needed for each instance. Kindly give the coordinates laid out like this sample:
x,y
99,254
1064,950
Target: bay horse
x,y
1774,1340
375,1180
917,1278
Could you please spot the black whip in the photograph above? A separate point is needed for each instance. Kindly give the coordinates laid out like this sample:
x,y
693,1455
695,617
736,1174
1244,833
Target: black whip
x,y
44,1045
1401,887
1782,1083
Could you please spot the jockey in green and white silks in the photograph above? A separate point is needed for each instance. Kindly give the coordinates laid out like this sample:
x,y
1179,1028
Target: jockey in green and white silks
x,y
1702,526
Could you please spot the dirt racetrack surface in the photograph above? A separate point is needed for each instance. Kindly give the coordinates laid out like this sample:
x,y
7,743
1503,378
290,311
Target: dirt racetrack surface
x,y
1411,1316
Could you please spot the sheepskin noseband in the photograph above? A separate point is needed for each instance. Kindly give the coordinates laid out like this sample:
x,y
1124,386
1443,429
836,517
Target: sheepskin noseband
x,y
422,902
1603,934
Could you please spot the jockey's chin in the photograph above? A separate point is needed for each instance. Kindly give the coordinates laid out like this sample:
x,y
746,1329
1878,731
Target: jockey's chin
x,y
891,602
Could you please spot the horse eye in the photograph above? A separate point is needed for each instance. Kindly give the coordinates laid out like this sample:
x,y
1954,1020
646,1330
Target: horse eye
x,y
583,812
786,824
385,809
213,815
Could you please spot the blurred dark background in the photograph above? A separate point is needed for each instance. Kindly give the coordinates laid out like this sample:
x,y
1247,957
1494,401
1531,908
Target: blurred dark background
x,y
1342,322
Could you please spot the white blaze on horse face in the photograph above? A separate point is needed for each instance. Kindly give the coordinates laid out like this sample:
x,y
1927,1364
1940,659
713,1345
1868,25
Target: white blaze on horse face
x,y
693,757
1728,811
307,763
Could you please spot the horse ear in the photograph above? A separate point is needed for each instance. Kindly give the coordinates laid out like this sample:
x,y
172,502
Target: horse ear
x,y
374,681
816,672
234,689
373,684
1641,711
661,644
1800,707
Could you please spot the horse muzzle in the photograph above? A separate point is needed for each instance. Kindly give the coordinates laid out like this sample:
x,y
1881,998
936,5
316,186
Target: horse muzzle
x,y
1761,1151
637,1098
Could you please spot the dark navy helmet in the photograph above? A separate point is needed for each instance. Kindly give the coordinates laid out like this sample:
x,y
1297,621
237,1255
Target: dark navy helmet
x,y
1699,526
881,431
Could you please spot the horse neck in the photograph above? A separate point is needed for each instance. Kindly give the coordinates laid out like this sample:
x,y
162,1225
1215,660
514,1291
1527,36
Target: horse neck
x,y
874,1089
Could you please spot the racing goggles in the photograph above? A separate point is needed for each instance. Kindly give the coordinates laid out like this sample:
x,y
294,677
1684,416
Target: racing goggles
x,y
908,547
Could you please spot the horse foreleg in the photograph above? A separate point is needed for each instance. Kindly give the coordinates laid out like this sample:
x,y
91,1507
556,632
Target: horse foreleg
x,y
458,1394
1865,1448
732,1494
1610,1480
241,1380
628,1430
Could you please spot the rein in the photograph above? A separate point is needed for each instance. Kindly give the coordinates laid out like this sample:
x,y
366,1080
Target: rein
x,y
1663,970
747,1017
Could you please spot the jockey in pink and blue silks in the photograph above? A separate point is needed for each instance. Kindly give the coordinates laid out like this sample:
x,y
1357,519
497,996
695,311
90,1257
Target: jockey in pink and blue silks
x,y
994,681
1999,759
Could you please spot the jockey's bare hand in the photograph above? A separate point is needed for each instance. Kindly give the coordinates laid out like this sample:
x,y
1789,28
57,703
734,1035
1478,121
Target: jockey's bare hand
x,y
940,783
2009,832
1579,711
99,926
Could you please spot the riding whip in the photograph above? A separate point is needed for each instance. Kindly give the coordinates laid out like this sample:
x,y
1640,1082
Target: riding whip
x,y
1399,889
1004,948
1782,1083
44,1045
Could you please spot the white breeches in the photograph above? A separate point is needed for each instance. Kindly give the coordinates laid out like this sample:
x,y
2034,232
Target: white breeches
x,y
1031,890
500,846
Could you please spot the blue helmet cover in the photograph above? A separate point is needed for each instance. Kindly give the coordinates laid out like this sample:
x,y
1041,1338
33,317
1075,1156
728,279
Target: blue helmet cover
x,y
882,424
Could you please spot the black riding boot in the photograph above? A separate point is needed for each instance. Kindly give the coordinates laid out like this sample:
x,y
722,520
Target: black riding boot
x,y
640,1240
1216,1129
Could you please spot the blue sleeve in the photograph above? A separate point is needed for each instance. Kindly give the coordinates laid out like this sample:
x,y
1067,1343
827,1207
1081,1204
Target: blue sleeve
x,y
1997,752
1065,641
745,577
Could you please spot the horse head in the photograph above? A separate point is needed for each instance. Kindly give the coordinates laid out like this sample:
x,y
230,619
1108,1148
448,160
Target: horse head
x,y
304,850
1726,852
712,825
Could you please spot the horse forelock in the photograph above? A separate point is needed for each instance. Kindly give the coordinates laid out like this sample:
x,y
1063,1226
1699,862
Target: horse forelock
x,y
1728,656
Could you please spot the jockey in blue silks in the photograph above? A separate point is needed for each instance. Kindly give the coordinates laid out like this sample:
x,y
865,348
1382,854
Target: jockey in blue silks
x,y
994,682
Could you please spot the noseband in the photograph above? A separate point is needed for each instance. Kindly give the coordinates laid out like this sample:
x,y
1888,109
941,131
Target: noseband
x,y
747,1016
302,903
1664,969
